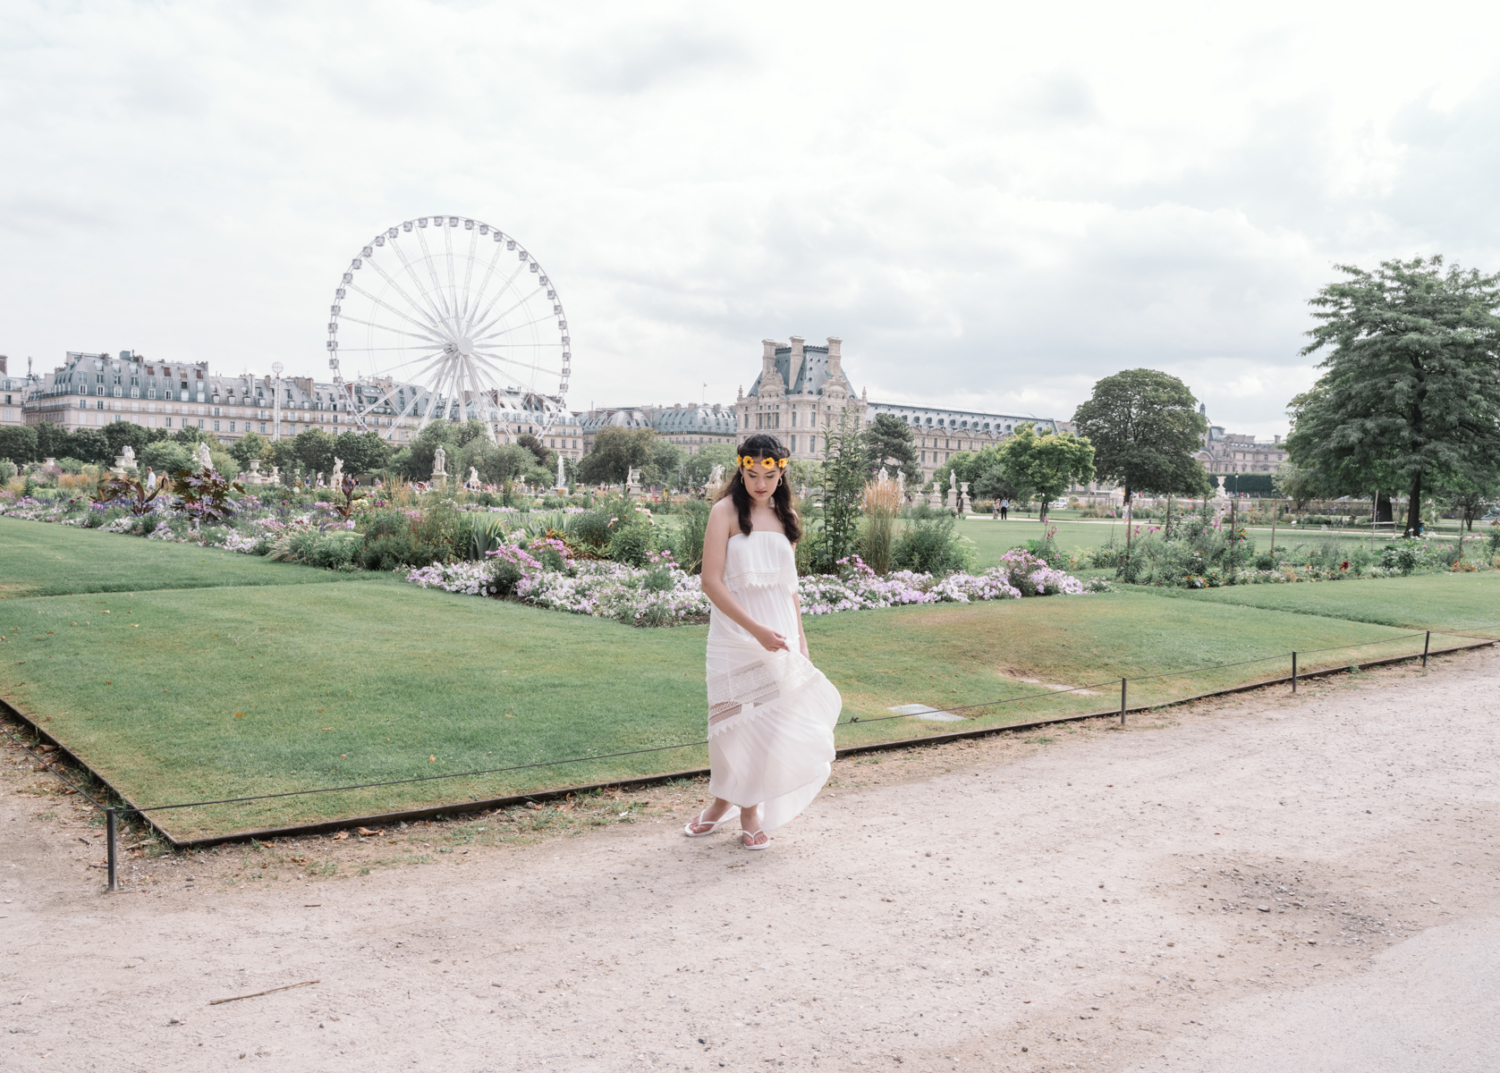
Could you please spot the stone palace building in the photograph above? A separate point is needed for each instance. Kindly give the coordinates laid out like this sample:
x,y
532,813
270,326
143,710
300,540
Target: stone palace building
x,y
803,390
90,390
1238,452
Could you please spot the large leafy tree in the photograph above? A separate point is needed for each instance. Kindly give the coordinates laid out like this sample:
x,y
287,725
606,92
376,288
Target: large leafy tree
x,y
1145,429
889,442
699,467
615,451
1046,465
1410,392
18,443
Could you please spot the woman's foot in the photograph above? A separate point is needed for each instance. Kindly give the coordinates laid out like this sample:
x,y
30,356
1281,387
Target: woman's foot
x,y
751,836
710,819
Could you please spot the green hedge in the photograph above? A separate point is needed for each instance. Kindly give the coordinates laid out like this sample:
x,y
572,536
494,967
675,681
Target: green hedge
x,y
1257,485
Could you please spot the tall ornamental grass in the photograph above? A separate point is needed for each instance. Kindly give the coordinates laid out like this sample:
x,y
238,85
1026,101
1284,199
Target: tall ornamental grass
x,y
882,506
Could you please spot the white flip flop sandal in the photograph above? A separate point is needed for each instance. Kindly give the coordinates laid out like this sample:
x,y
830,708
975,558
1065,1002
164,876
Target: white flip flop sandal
x,y
734,811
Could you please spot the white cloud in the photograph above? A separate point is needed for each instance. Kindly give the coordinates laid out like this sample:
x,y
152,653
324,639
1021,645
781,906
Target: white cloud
x,y
990,205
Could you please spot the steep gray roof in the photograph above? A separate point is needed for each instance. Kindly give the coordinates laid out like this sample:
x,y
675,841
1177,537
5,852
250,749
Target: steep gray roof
x,y
808,379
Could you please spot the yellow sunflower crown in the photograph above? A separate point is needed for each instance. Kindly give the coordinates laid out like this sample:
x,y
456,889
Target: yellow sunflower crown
x,y
767,464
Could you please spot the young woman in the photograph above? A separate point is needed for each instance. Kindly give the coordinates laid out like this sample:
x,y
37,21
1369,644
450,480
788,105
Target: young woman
x,y
770,712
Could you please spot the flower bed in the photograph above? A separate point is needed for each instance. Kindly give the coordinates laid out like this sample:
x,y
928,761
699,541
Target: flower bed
x,y
662,594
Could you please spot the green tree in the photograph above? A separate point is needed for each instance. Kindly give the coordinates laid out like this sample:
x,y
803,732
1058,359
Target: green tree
x,y
53,441
87,445
1145,430
1409,396
844,457
616,450
544,455
18,443
697,469
249,447
1293,482
362,452
664,464
889,442
1046,465
313,449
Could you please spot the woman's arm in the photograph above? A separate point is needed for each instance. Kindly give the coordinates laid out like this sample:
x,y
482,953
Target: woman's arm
x,y
715,551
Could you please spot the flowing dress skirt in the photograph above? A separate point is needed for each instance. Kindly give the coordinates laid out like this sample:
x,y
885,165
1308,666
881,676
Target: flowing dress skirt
x,y
771,714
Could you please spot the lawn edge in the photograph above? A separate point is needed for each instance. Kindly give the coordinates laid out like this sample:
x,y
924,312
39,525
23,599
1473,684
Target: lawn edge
x,y
462,807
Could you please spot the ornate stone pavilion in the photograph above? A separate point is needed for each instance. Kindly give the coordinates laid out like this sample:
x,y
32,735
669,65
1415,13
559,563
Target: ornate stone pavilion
x,y
803,390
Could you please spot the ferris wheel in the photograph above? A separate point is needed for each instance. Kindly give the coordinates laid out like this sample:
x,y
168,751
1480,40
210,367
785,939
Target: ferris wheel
x,y
446,317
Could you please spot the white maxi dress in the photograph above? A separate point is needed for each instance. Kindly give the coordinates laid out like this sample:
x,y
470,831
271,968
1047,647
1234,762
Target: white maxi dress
x,y
770,714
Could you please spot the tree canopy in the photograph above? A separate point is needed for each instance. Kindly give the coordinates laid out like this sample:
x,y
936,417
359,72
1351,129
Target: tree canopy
x,y
616,450
1409,397
889,439
1045,466
1145,429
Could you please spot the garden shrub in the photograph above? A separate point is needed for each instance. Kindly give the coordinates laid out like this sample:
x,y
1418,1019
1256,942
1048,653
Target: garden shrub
x,y
929,545
631,542
690,536
590,529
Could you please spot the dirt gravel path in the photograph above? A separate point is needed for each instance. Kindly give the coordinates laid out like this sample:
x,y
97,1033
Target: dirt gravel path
x,y
1262,883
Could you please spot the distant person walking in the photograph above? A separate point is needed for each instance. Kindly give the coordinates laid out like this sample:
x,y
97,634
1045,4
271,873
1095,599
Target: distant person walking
x,y
771,713
150,478
1004,509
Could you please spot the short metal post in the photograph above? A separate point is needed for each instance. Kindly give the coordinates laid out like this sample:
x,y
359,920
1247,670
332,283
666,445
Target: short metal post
x,y
109,837
1294,672
1122,702
1426,643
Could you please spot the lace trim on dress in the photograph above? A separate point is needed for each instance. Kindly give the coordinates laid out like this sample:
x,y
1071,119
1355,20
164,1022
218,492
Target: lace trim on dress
x,y
760,579
746,691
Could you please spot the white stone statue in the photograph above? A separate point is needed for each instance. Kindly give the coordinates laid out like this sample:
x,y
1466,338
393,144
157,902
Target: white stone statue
x,y
883,477
204,459
562,476
127,456
952,480
473,481
439,464
901,484
716,477
336,478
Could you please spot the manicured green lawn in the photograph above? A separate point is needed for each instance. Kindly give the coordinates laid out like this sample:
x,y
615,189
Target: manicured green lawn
x,y
1467,601
180,694
39,559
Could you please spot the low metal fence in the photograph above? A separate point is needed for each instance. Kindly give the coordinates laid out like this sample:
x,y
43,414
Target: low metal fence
x,y
113,812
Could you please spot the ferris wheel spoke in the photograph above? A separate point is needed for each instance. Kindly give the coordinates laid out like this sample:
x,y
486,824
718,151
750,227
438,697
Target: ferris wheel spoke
x,y
468,272
513,328
501,358
509,283
396,286
452,277
433,309
394,331
437,286
382,303
489,272
484,331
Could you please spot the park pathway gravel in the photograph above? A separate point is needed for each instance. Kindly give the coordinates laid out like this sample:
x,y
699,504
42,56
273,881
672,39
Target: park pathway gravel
x,y
1263,883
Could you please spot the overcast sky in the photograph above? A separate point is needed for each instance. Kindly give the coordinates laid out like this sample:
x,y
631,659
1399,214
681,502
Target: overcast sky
x,y
993,205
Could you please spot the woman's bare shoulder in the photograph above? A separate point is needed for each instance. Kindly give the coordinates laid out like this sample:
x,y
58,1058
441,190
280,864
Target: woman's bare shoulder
x,y
724,509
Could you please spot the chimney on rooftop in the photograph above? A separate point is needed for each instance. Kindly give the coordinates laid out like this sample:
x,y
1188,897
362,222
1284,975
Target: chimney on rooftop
x,y
835,357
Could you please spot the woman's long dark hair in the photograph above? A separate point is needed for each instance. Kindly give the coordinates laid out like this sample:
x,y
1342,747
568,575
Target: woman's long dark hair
x,y
762,445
